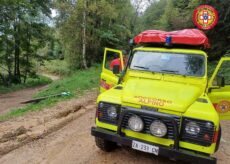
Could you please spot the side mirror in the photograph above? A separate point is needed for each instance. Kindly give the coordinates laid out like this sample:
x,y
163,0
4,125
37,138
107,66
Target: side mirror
x,y
131,43
116,69
220,81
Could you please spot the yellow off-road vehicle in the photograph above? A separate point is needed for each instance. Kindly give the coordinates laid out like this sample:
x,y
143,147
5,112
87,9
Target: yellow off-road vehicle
x,y
161,102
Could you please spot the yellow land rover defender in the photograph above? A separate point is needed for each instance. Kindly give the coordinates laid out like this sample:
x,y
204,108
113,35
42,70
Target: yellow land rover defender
x,y
159,100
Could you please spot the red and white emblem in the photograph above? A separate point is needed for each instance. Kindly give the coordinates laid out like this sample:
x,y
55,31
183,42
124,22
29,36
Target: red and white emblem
x,y
223,106
205,17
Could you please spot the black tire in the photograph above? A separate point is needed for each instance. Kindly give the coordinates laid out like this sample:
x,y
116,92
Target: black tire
x,y
105,145
218,140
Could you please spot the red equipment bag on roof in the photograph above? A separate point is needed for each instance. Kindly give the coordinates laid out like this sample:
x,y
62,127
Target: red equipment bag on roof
x,y
193,37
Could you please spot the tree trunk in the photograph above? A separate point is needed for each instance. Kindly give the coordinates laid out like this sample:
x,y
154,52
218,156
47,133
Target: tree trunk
x,y
9,64
134,19
17,74
27,53
84,36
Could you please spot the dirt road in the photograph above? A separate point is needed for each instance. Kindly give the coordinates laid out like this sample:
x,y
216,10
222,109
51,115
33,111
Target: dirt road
x,y
14,99
62,135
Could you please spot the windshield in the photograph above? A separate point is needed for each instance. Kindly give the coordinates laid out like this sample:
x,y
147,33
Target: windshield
x,y
172,63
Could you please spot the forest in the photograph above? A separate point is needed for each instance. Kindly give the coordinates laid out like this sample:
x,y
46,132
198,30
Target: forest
x,y
76,31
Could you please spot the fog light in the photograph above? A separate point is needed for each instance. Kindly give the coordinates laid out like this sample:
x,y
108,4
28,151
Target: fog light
x,y
158,128
112,112
135,123
192,128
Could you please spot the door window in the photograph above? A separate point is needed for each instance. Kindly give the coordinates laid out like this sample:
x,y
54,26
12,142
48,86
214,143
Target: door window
x,y
112,58
224,71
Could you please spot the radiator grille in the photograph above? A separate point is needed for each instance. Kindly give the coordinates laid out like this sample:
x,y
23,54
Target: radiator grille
x,y
102,111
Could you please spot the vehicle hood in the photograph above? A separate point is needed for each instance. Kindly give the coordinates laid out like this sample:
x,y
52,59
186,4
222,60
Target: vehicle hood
x,y
160,94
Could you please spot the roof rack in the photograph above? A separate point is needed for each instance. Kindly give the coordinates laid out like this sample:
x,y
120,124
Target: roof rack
x,y
181,38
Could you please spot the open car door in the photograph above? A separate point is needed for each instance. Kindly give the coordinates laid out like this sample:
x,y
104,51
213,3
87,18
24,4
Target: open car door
x,y
219,88
113,64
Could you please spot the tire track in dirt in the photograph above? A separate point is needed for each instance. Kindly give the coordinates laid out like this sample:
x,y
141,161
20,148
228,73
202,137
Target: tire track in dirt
x,y
36,125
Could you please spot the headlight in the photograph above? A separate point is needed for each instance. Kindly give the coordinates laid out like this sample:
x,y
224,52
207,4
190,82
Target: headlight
x,y
101,105
135,123
158,128
192,128
108,112
112,112
201,132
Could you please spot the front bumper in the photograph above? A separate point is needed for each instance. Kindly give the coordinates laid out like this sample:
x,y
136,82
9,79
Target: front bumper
x,y
172,153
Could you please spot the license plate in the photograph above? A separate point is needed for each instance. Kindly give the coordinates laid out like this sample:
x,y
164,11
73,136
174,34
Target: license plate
x,y
145,147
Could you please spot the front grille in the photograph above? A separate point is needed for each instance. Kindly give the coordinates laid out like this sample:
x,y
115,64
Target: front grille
x,y
149,119
204,138
103,116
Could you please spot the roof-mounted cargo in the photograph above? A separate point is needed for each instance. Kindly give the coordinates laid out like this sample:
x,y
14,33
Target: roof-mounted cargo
x,y
191,37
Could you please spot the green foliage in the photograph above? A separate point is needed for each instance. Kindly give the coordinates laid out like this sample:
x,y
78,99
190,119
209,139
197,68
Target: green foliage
x,y
107,24
23,30
219,36
168,17
78,83
169,14
56,67
211,68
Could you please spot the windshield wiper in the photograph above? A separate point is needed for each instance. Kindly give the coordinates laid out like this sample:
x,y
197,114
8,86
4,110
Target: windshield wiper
x,y
141,67
169,71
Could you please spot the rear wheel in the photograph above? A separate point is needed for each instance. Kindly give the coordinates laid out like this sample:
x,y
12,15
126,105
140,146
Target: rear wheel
x,y
105,145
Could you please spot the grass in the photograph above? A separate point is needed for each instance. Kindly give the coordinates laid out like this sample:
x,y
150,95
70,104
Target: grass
x,y
31,82
57,67
76,84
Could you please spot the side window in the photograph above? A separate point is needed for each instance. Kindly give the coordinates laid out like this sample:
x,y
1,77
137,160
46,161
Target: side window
x,y
111,59
224,73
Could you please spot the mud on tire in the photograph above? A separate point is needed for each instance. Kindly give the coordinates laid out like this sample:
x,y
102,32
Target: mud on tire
x,y
105,145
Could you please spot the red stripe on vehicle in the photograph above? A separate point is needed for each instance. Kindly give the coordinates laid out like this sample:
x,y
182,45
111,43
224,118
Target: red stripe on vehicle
x,y
215,105
105,85
215,137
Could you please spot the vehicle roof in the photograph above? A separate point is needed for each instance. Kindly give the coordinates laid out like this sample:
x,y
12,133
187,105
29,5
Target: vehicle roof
x,y
173,50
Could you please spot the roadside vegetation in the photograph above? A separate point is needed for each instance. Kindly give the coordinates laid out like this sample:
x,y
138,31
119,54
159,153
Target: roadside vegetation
x,y
57,67
39,80
211,67
76,84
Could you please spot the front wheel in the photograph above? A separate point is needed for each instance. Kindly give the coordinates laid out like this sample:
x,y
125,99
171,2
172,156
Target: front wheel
x,y
105,145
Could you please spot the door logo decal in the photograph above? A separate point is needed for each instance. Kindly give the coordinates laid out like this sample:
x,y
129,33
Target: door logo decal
x,y
223,106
